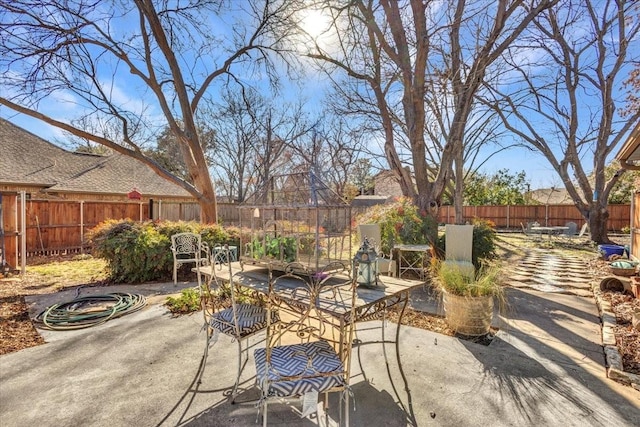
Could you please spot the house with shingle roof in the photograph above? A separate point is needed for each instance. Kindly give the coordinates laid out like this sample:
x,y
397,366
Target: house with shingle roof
x,y
44,170
68,193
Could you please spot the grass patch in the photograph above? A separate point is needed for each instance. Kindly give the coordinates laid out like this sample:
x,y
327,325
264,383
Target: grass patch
x,y
81,271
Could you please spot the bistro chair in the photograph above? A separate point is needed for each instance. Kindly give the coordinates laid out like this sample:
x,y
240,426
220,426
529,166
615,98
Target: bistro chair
x,y
308,352
188,248
529,232
459,247
239,320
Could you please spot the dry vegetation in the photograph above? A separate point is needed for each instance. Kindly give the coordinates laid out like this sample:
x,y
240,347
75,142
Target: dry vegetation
x,y
43,276
52,275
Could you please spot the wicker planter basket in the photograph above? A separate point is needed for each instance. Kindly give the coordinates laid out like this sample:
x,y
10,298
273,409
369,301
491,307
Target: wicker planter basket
x,y
623,268
623,271
468,315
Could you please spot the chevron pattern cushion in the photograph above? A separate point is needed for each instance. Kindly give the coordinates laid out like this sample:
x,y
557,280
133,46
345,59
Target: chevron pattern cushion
x,y
299,368
251,318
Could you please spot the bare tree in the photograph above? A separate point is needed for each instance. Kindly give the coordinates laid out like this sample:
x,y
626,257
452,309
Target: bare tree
x,y
582,48
253,140
393,49
236,144
142,66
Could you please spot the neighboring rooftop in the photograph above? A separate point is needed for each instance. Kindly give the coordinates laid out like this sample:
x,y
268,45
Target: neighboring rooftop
x,y
30,160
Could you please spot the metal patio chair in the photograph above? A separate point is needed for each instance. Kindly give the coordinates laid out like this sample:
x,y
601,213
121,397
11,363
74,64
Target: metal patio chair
x,y
188,248
308,352
239,320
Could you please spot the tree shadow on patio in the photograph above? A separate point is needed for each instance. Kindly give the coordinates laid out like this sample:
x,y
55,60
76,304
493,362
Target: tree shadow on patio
x,y
543,363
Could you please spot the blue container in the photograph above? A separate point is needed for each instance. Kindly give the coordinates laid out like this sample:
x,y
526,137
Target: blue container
x,y
608,250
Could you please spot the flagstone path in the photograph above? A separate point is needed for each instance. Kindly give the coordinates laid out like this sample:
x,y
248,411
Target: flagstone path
x,y
551,272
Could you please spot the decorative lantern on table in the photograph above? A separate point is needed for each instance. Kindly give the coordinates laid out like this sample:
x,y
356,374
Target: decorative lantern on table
x,y
364,263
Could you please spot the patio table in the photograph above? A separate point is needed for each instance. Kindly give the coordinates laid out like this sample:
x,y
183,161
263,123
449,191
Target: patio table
x,y
550,231
417,265
333,300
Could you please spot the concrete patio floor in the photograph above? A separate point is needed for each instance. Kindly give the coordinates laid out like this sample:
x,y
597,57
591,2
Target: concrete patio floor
x,y
545,367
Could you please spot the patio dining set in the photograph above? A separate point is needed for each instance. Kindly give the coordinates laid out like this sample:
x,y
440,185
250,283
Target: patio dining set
x,y
307,316
566,232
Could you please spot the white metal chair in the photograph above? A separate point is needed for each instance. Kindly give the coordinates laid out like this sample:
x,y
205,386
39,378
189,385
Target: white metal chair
x,y
529,233
239,320
459,247
580,235
188,248
384,264
572,229
308,352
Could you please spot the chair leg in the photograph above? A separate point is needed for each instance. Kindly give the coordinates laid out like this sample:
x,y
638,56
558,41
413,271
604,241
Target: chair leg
x,y
205,355
240,366
264,413
345,409
175,274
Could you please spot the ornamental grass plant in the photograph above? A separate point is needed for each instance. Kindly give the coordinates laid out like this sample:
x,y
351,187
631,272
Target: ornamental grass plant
x,y
486,281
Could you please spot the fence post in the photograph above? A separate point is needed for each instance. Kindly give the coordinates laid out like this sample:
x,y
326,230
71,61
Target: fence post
x,y
23,233
546,215
507,217
81,226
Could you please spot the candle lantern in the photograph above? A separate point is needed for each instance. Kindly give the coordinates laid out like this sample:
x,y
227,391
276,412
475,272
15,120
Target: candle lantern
x,y
364,265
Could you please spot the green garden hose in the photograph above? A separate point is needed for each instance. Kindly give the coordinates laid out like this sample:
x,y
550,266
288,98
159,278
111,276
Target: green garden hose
x,y
90,310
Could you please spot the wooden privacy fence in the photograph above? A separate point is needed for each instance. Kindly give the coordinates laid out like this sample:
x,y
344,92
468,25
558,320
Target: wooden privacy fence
x,y
59,226
507,217
56,227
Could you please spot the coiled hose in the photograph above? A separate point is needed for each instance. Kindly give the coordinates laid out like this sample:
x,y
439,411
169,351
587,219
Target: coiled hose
x,y
90,310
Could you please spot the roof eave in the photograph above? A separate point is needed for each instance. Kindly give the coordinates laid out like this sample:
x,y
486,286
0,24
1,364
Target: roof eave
x,y
630,149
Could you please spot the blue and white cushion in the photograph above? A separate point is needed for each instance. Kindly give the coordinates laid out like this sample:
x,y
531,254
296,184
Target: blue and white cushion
x,y
298,369
251,318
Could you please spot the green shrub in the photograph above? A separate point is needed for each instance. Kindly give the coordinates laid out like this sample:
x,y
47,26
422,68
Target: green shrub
x,y
484,241
187,302
400,223
140,252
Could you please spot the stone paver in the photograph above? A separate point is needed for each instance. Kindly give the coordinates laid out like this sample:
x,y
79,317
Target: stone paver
x,y
551,272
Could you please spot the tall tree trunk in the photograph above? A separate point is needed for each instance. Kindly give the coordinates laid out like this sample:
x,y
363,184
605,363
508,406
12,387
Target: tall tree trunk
x,y
598,217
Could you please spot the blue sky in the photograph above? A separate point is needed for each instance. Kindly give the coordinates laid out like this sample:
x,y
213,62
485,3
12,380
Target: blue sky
x,y
539,173
538,170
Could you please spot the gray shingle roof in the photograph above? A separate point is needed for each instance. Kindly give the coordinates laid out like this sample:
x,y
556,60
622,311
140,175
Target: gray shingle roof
x,y
28,159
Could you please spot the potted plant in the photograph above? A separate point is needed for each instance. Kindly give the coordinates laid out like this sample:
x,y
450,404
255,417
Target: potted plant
x,y
468,300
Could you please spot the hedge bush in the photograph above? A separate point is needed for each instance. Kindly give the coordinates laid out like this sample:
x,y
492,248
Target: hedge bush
x,y
141,252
